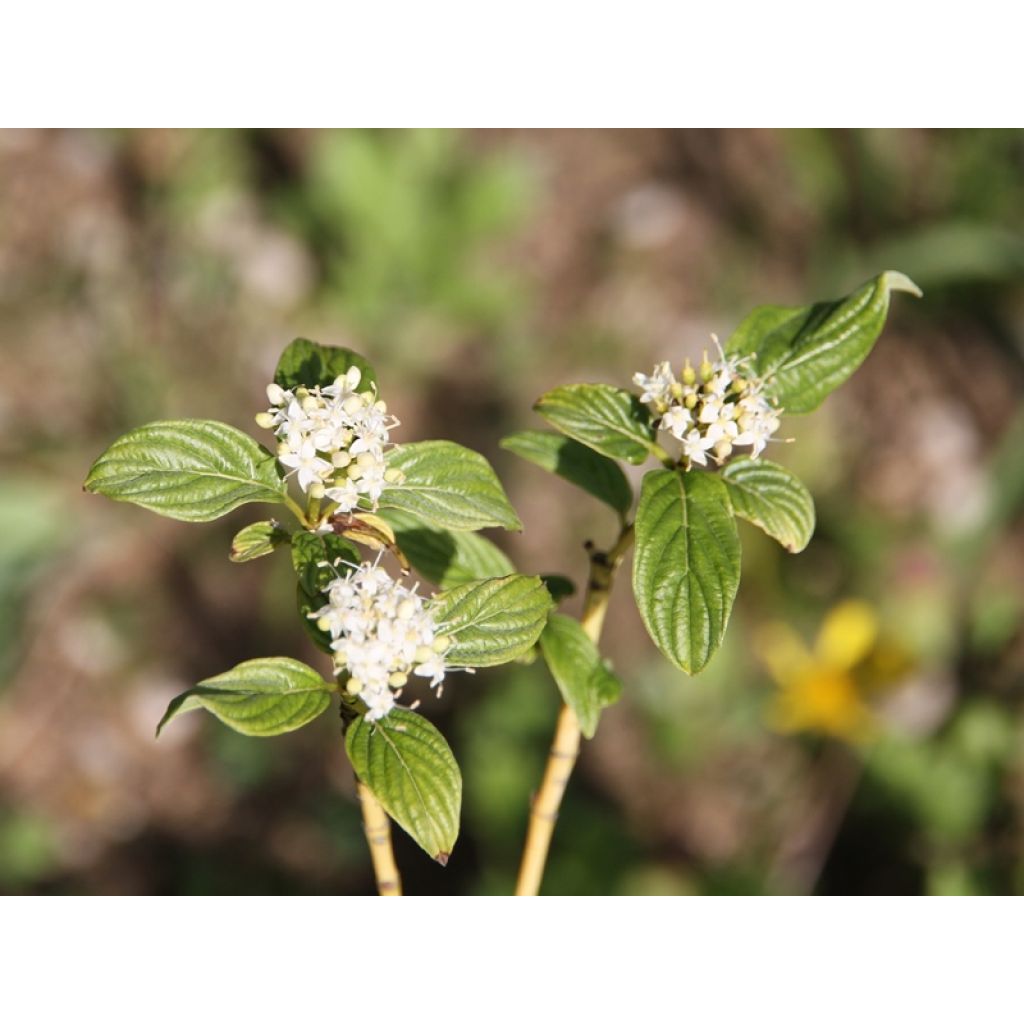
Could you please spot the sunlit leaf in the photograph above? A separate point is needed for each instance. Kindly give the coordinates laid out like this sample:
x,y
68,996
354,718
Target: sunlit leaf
x,y
448,485
806,352
771,497
686,569
194,470
262,697
609,420
407,765
492,621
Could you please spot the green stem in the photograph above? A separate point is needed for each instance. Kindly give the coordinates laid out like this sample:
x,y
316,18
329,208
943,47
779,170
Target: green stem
x,y
296,510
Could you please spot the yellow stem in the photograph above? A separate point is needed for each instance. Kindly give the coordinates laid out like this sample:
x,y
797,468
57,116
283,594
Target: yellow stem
x,y
566,745
378,835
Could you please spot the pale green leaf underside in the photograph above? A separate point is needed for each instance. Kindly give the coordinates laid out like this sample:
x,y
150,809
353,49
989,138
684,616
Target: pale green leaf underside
x,y
446,557
450,486
609,420
771,497
257,540
407,765
686,569
194,470
585,682
491,621
306,363
580,465
806,352
262,697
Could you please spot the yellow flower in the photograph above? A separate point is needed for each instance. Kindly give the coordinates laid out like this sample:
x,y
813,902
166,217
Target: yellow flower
x,y
824,689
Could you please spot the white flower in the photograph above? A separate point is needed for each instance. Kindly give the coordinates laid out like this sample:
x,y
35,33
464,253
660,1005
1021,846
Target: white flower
x,y
381,633
305,462
721,406
676,420
346,495
657,387
344,386
336,436
695,447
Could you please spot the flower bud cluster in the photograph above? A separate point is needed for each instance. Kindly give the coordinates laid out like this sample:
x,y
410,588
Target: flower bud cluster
x,y
381,632
333,439
712,409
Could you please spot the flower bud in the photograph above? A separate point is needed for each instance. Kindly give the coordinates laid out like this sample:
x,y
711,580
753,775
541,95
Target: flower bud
x,y
423,653
441,644
264,420
352,405
393,476
690,401
688,374
353,686
317,491
706,369
275,394
309,404
397,680
366,459
341,459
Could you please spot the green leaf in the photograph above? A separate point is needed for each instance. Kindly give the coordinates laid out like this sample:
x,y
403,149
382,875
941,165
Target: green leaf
x,y
771,497
806,352
686,569
448,485
195,470
263,697
407,765
307,364
257,540
609,420
577,463
309,553
560,587
585,682
446,557
492,621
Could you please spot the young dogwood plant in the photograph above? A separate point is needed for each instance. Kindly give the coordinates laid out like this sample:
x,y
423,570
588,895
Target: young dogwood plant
x,y
354,494
708,426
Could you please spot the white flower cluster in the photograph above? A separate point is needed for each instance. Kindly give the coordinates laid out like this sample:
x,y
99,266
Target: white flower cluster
x,y
381,632
711,410
333,439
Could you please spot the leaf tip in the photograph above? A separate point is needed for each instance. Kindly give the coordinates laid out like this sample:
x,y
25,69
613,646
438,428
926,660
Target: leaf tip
x,y
442,858
898,282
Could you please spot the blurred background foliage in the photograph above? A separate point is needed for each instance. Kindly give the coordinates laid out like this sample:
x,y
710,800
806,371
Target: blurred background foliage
x,y
861,730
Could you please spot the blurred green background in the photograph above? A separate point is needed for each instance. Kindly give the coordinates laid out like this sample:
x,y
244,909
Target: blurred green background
x,y
861,730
